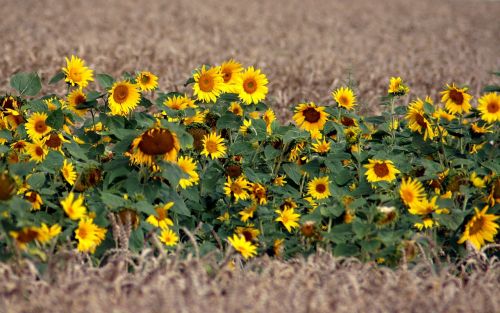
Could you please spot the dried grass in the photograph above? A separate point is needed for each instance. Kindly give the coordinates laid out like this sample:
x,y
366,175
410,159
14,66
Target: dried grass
x,y
306,47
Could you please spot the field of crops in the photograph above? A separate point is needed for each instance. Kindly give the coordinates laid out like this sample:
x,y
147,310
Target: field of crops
x,y
346,148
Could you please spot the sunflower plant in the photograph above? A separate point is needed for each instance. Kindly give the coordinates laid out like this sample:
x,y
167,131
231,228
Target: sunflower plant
x,y
120,162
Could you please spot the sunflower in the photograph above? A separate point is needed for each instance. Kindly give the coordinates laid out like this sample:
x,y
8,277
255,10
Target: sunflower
x,y
123,98
240,244
247,213
456,100
46,233
37,151
345,98
480,228
417,121
213,146
19,146
319,188
168,237
54,141
77,73
24,236
411,191
440,113
252,86
258,193
235,108
188,166
477,181
237,188
397,87
36,127
489,107
426,207
147,81
76,98
321,147
230,71
89,235
380,170
152,143
68,172
179,103
479,130
74,207
308,116
209,84
280,181
250,233
288,218
244,128
269,117
161,218
35,199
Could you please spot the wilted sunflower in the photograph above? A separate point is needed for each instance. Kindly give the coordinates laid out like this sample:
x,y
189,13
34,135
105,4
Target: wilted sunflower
x,y
480,228
147,81
237,188
161,218
240,244
380,170
288,218
209,84
76,98
397,87
456,99
168,237
36,151
489,106
321,147
230,71
77,73
89,235
344,96
417,121
188,166
411,191
123,98
74,208
252,86
152,143
319,188
36,127
68,172
309,116
213,146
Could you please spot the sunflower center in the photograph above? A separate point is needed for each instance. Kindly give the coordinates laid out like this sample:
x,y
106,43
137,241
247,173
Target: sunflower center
x,y
39,151
250,85
247,234
26,236
236,188
54,141
120,93
456,96
381,169
145,79
343,100
19,145
477,226
31,198
493,107
8,104
40,126
408,196
227,74
79,99
347,121
211,146
156,142
311,115
320,188
75,74
161,213
420,120
206,83
82,232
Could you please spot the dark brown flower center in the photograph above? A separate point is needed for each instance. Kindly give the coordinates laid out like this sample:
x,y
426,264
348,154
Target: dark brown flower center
x,y
20,145
247,234
236,188
79,99
206,83
233,171
26,235
39,151
477,226
227,74
156,142
250,85
198,134
145,79
311,115
347,121
120,94
420,120
40,126
8,103
31,197
54,141
456,96
320,188
381,169
493,107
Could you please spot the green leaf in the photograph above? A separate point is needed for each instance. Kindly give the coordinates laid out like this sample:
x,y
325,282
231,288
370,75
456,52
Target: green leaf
x,y
173,173
27,84
292,170
55,119
112,200
5,134
491,88
345,250
229,120
105,81
53,162
57,77
370,245
36,180
271,153
241,148
361,229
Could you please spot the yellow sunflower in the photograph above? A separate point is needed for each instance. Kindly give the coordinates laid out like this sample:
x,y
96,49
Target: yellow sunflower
x,y
252,86
321,147
24,236
209,84
235,108
161,218
54,141
76,98
89,235
344,96
288,218
480,229
77,73
397,87
411,191
68,172
213,146
245,127
310,117
440,113
123,98
46,233
380,170
188,166
35,199
74,207
37,151
269,117
230,71
240,244
155,142
250,233
456,99
319,188
179,103
237,188
247,213
417,121
489,107
258,193
147,81
168,237
36,127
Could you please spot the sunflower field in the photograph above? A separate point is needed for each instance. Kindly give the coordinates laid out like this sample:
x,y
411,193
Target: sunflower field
x,y
119,164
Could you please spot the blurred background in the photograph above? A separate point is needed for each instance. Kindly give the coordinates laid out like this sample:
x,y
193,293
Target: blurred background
x,y
307,48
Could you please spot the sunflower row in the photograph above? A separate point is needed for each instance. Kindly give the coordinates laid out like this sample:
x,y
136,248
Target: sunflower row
x,y
120,158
